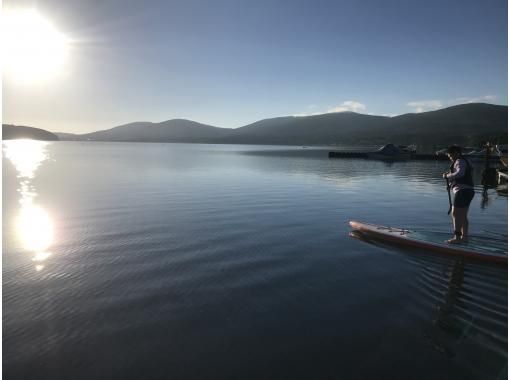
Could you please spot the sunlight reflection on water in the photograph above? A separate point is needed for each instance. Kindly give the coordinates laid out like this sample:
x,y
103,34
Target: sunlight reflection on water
x,y
34,225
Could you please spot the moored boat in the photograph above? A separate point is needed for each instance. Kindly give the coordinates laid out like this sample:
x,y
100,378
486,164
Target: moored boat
x,y
502,175
475,155
393,152
502,151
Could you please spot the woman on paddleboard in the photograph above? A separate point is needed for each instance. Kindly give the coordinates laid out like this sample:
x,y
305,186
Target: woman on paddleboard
x,y
461,182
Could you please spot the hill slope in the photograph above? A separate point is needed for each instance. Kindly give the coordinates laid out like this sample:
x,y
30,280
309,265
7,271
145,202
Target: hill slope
x,y
11,132
177,130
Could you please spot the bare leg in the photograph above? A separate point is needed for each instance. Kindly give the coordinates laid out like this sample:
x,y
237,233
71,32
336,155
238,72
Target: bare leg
x,y
460,225
456,226
465,226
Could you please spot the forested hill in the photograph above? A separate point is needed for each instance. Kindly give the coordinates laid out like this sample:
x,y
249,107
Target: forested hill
x,y
461,124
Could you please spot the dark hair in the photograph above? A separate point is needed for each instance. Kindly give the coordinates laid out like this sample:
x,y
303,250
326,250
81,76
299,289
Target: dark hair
x,y
454,149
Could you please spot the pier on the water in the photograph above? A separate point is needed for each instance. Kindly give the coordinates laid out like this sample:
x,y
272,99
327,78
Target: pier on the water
x,y
413,156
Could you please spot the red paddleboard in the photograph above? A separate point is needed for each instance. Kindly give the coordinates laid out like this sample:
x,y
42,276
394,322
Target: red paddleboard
x,y
478,248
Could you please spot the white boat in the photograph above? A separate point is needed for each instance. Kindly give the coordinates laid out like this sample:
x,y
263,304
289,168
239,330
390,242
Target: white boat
x,y
474,154
481,155
465,150
393,152
407,148
502,175
502,151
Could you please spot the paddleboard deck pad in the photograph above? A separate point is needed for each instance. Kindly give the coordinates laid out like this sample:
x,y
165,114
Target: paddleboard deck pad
x,y
478,248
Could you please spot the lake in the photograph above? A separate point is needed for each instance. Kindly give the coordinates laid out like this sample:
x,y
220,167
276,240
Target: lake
x,y
179,261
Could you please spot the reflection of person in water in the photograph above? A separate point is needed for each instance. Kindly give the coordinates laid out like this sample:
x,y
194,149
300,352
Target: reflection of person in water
x,y
448,329
461,183
446,318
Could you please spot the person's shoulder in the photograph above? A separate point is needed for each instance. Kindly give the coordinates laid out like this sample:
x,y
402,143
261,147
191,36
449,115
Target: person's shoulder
x,y
464,160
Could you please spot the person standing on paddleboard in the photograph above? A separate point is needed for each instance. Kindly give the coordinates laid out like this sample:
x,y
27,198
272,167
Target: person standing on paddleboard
x,y
461,183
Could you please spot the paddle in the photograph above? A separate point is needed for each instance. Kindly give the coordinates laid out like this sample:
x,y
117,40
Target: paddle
x,y
449,195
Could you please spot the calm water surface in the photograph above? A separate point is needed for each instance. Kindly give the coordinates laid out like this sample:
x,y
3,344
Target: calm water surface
x,y
175,261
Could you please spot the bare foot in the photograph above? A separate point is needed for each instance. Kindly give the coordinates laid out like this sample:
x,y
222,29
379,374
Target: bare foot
x,y
454,240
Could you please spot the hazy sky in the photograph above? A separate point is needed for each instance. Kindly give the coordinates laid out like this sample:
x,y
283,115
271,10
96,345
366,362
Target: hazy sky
x,y
230,63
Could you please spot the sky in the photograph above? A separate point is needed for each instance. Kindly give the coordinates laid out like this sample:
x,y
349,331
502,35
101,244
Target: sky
x,y
230,63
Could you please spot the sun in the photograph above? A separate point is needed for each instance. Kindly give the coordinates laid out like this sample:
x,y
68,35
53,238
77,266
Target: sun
x,y
33,50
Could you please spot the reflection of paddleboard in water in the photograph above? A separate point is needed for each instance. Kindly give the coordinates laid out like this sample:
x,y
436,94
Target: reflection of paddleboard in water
x,y
480,248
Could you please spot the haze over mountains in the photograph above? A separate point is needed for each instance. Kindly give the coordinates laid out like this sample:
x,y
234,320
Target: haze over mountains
x,y
462,124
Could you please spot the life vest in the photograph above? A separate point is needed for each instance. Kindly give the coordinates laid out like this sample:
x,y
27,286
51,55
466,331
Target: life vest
x,y
467,178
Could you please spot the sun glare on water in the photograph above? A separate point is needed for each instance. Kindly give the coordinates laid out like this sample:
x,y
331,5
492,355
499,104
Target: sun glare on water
x,y
33,50
35,229
34,224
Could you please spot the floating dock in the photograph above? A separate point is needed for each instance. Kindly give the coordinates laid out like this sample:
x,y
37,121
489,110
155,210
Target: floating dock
x,y
347,155
375,155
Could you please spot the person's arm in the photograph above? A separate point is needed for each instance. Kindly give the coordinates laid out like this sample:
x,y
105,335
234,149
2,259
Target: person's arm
x,y
459,169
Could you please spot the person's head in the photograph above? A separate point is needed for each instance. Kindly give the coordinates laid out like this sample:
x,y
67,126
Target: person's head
x,y
453,152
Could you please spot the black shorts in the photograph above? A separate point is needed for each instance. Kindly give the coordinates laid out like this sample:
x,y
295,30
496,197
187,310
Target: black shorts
x,y
463,198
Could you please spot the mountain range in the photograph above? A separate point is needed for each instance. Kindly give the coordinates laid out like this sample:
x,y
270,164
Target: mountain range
x,y
462,124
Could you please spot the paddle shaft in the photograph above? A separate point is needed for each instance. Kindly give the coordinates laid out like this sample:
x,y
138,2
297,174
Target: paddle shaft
x,y
449,195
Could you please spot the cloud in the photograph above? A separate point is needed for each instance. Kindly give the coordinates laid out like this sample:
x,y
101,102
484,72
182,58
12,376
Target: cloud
x,y
347,106
480,99
430,105
350,106
425,105
307,114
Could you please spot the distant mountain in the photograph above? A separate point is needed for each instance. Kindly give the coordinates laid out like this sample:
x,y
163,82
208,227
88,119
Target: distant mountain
x,y
11,132
461,124
176,130
328,128
68,136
